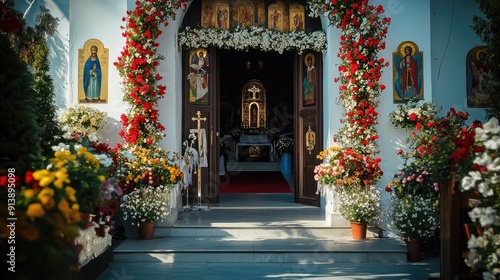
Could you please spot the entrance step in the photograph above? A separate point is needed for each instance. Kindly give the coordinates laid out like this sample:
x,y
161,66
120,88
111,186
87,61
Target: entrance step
x,y
260,250
258,228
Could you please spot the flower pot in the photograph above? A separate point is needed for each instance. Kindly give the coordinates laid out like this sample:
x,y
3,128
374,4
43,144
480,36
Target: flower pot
x,y
358,230
286,163
146,230
413,250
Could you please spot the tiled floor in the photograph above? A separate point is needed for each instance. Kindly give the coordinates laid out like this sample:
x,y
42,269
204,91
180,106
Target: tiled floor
x,y
242,271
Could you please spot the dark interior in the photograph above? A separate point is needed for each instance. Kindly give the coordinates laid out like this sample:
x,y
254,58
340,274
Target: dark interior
x,y
274,70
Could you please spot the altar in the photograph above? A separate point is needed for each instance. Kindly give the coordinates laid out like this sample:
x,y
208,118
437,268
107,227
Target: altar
x,y
254,148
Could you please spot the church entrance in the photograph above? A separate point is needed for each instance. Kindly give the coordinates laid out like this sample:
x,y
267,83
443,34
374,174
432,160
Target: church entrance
x,y
241,104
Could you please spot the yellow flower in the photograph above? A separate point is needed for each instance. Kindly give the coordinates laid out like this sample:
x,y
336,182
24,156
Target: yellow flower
x,y
58,163
35,210
47,201
29,193
73,216
82,151
46,192
70,193
75,207
102,178
44,177
63,205
62,177
64,156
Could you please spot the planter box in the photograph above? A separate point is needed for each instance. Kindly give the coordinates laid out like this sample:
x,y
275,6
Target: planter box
x,y
93,245
329,204
175,208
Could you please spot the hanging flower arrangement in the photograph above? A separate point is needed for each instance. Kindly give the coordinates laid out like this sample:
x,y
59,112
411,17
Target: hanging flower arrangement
x,y
137,66
363,36
243,39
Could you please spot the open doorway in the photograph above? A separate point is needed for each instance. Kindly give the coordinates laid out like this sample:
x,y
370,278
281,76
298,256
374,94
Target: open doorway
x,y
256,109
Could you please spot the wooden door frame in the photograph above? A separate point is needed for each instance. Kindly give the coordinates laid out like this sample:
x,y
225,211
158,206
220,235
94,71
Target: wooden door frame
x,y
210,180
210,176
305,186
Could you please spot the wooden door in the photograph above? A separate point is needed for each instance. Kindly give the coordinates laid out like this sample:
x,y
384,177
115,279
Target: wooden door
x,y
308,125
200,101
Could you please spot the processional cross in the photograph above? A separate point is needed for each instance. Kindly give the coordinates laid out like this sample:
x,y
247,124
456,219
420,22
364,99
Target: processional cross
x,y
200,152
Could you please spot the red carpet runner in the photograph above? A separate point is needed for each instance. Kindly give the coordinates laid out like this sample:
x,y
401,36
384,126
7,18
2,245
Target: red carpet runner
x,y
254,182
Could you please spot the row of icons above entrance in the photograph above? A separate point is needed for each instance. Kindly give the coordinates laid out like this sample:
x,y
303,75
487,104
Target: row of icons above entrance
x,y
277,16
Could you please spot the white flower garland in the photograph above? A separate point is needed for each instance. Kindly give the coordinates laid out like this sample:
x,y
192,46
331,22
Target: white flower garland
x,y
252,38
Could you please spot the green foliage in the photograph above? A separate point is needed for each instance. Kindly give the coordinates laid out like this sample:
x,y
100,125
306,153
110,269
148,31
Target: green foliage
x,y
45,110
487,28
19,143
31,44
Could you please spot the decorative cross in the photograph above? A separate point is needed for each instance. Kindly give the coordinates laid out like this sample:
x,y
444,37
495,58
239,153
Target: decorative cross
x,y
254,90
200,152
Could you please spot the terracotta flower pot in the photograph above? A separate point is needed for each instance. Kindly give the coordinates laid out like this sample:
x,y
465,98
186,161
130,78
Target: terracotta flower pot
x,y
146,230
358,230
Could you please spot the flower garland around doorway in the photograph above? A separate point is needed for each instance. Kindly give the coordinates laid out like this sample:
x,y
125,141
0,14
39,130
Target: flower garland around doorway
x,y
138,64
363,36
243,39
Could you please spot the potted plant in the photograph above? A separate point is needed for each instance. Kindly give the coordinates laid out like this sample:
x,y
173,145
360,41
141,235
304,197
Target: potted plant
x,y
144,206
284,147
352,176
416,218
359,205
439,152
236,133
146,169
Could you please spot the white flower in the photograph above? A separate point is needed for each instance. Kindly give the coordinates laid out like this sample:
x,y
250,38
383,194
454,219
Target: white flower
x,y
60,147
104,160
146,204
93,137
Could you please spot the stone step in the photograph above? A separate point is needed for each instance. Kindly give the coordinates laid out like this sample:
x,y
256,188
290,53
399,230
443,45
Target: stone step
x,y
258,228
261,250
260,232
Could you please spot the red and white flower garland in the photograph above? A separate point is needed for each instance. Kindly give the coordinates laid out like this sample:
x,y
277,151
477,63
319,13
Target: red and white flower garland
x,y
363,35
138,64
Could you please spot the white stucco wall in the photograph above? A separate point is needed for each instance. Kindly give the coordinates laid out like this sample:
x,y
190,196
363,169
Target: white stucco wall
x,y
58,43
452,38
440,29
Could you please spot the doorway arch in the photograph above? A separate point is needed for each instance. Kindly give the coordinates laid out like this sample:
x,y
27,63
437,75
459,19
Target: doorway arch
x,y
203,91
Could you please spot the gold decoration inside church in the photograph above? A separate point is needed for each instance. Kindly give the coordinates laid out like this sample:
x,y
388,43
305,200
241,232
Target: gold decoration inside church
x,y
253,106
